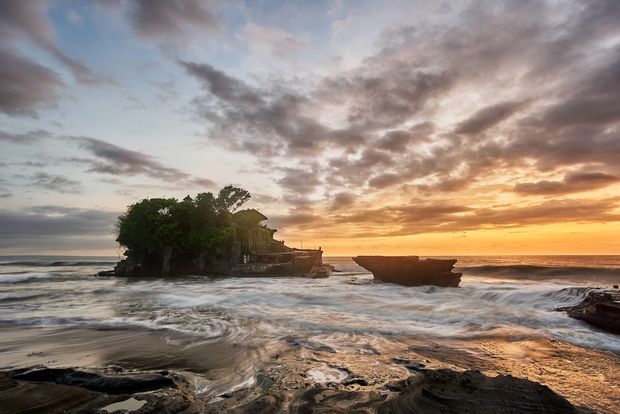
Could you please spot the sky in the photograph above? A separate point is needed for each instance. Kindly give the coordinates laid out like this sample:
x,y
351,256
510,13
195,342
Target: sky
x,y
363,127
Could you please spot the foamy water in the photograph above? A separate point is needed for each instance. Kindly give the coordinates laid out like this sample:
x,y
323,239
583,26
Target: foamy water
x,y
345,310
346,313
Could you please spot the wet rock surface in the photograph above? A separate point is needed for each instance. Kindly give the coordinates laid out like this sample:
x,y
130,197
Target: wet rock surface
x,y
430,391
46,390
284,391
110,384
599,308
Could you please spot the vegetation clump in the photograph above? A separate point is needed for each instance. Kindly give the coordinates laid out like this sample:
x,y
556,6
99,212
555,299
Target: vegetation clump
x,y
165,235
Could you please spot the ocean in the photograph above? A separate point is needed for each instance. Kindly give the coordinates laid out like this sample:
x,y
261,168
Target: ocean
x,y
221,332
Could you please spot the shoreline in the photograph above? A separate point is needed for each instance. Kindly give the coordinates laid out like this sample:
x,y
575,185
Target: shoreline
x,y
238,344
585,377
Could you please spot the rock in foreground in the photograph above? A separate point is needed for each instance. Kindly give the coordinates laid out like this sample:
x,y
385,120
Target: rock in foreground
x,y
447,391
599,308
410,270
68,390
440,391
428,391
110,384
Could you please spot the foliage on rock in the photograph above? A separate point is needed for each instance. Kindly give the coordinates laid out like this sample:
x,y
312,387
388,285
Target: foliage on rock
x,y
205,223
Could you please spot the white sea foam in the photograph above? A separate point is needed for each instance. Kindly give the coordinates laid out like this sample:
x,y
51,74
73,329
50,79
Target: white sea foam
x,y
344,312
25,277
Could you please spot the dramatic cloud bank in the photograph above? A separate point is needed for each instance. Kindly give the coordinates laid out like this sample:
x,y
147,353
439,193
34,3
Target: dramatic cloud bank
x,y
348,121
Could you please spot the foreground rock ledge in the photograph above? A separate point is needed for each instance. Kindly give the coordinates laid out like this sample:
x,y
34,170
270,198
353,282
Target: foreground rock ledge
x,y
440,391
410,270
429,391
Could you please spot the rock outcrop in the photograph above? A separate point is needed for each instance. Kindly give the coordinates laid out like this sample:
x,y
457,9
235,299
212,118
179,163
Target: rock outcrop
x,y
292,263
599,308
249,249
441,391
410,270
447,391
72,391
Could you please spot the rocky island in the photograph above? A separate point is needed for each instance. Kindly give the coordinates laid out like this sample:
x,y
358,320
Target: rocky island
x,y
410,270
207,235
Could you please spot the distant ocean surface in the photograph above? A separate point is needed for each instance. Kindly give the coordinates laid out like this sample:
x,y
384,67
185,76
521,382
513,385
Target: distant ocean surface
x,y
510,295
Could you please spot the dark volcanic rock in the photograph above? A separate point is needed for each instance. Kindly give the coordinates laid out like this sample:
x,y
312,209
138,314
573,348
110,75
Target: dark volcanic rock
x,y
69,391
446,391
430,392
599,308
110,384
410,270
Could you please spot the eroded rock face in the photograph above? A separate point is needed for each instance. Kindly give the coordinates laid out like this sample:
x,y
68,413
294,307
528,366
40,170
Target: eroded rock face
x,y
447,391
72,391
440,391
599,308
410,270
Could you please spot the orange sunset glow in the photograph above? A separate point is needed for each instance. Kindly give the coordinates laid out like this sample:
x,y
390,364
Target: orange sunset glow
x,y
457,129
310,206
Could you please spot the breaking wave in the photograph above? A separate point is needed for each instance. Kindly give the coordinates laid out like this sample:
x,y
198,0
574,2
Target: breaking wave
x,y
538,272
25,277
57,263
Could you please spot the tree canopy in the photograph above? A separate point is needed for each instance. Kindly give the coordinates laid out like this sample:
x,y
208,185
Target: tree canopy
x,y
205,222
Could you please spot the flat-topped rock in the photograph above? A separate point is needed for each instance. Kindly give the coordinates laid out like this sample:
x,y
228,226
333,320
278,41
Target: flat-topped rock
x,y
410,270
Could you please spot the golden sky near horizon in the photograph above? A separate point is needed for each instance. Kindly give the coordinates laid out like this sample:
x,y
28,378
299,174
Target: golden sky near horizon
x,y
406,127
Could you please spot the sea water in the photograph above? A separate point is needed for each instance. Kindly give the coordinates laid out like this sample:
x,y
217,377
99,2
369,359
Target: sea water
x,y
512,295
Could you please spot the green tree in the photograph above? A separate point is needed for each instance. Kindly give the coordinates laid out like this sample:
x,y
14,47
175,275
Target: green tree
x,y
230,198
166,226
145,224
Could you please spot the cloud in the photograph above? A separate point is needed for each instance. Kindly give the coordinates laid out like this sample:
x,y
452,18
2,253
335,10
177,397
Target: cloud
x,y
441,217
271,41
26,86
115,160
280,121
203,182
399,140
594,97
538,82
27,18
253,120
572,183
170,18
56,183
300,181
487,117
387,94
26,138
296,218
384,180
342,199
56,228
223,86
